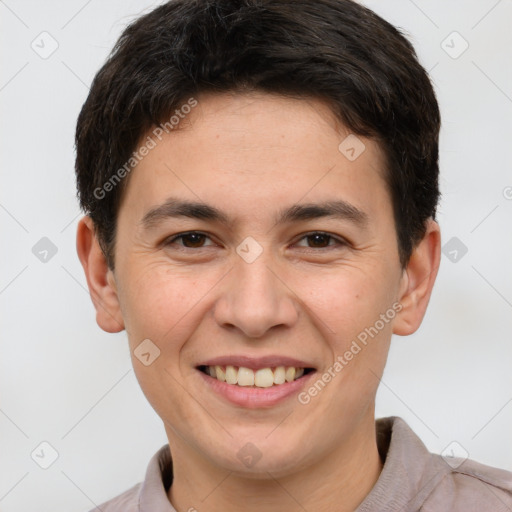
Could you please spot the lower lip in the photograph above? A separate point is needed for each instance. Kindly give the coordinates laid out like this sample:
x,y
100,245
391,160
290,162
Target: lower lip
x,y
253,398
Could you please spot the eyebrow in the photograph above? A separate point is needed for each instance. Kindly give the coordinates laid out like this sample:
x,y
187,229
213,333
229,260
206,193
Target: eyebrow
x,y
174,208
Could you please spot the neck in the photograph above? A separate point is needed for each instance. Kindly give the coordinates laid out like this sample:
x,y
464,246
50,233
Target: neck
x,y
338,482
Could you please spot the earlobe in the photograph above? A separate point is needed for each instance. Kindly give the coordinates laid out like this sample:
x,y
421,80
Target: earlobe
x,y
418,281
100,279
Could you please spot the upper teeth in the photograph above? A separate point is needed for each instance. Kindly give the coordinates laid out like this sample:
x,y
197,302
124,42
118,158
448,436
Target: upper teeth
x,y
262,378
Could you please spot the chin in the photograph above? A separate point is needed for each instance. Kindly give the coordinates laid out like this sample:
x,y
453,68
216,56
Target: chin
x,y
256,457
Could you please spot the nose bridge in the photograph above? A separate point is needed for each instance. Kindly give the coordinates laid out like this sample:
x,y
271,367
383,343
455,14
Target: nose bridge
x,y
255,299
256,283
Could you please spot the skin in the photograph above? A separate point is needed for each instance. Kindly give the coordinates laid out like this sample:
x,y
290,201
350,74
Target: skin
x,y
251,155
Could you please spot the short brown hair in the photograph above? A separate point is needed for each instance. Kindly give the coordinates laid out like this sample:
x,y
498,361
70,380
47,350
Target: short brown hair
x,y
334,50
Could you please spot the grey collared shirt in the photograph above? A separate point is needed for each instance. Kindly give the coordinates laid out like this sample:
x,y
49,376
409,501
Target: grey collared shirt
x,y
412,479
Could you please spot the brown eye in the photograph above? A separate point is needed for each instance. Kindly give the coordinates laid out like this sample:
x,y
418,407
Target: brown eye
x,y
191,240
320,240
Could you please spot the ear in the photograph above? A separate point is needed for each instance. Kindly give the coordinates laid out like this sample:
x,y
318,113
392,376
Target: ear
x,y
418,280
100,278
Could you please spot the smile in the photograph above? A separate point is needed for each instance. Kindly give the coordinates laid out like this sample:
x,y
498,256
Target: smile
x,y
255,382
259,378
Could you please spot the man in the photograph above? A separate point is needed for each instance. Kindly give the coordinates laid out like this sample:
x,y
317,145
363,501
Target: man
x,y
260,180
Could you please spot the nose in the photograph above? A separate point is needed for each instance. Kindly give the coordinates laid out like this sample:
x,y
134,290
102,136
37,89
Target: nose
x,y
256,298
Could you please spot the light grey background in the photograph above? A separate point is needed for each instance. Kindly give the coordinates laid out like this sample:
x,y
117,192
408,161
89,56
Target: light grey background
x,y
66,382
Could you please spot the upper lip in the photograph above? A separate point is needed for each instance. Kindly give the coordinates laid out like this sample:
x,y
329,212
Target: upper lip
x,y
270,361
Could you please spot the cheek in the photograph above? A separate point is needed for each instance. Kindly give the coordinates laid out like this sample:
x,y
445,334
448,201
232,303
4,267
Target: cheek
x,y
163,307
351,298
357,310
157,303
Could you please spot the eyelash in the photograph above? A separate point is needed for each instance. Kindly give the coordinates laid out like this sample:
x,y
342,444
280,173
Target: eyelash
x,y
340,241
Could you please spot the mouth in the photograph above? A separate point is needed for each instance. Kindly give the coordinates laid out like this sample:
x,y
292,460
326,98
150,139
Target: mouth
x,y
250,382
266,377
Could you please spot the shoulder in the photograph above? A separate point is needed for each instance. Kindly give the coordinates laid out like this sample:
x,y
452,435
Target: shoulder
x,y
470,486
128,501
416,480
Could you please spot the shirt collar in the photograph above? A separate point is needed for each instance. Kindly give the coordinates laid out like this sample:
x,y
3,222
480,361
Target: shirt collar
x,y
409,473
153,491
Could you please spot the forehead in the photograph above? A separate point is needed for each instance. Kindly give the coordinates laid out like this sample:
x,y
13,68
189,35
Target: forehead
x,y
257,152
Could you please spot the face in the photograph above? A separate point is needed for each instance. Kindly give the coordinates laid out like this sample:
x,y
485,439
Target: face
x,y
292,263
